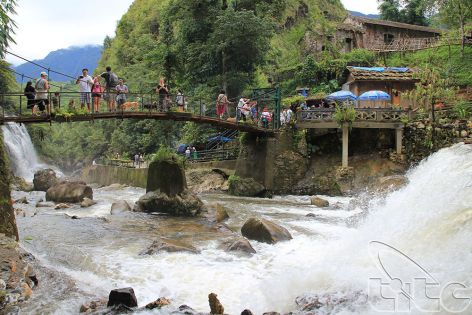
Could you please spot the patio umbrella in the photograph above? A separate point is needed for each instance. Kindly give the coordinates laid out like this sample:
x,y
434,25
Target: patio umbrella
x,y
375,96
342,96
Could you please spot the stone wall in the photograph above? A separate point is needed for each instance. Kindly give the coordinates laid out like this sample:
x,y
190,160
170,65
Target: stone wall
x,y
107,175
7,215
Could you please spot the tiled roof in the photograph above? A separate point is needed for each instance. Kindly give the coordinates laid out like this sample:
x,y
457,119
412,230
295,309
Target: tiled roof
x,y
398,25
386,75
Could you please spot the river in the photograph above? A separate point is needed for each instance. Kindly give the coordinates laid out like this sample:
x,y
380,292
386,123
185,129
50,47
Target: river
x,y
391,247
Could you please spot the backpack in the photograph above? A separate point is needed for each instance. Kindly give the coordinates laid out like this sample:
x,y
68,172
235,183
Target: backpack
x,y
113,79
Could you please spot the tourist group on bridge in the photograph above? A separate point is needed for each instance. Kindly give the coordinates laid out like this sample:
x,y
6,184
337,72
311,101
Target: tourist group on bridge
x,y
113,90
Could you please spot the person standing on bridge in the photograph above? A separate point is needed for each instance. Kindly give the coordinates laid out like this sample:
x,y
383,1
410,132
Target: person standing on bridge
x,y
96,94
42,88
121,91
30,93
111,80
85,83
221,104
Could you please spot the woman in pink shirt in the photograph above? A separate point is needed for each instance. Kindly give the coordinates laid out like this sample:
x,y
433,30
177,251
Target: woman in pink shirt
x,y
96,94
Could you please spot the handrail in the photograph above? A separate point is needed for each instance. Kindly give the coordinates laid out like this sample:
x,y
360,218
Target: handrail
x,y
362,114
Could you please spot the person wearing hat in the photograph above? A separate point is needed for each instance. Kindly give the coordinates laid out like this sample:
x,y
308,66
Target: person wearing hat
x,y
42,88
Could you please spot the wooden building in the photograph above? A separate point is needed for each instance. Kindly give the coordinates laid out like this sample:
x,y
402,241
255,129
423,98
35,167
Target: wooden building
x,y
394,81
373,34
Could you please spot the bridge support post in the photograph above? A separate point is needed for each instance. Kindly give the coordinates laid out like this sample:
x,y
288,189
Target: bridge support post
x,y
399,140
345,158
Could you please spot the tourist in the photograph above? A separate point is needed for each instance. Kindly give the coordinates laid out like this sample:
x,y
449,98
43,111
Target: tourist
x,y
121,91
242,109
221,104
194,153
266,118
289,115
283,117
163,91
111,80
180,101
136,160
85,83
42,88
141,160
96,94
30,93
188,153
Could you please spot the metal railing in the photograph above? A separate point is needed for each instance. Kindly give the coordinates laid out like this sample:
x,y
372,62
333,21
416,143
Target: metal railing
x,y
362,114
214,155
65,106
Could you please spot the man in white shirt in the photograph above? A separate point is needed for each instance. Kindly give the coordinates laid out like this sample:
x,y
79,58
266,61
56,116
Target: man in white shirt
x,y
85,83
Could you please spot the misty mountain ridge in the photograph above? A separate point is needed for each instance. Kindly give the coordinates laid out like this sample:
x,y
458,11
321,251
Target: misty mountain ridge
x,y
360,14
69,61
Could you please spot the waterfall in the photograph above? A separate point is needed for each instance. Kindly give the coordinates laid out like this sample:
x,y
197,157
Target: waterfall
x,y
23,158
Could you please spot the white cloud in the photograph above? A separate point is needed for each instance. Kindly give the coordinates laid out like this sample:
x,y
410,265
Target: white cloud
x,y
47,25
363,6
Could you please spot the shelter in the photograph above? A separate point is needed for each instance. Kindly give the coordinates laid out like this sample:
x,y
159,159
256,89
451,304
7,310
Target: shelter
x,y
394,81
372,34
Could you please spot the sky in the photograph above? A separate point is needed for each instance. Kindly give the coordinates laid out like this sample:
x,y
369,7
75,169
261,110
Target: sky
x,y
48,25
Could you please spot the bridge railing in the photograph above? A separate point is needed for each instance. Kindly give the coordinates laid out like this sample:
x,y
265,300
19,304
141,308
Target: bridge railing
x,y
65,104
215,155
362,114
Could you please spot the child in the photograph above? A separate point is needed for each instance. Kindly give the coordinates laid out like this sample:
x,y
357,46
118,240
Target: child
x,y
266,118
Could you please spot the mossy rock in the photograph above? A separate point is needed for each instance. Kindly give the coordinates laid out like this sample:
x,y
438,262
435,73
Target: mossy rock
x,y
167,176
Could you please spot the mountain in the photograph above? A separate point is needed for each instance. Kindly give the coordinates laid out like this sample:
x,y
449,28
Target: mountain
x,y
69,61
369,16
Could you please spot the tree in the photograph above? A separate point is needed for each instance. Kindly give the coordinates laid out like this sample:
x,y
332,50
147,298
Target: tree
x,y
453,13
7,25
404,11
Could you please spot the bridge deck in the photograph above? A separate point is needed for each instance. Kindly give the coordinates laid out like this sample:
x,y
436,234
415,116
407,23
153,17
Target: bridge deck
x,y
174,116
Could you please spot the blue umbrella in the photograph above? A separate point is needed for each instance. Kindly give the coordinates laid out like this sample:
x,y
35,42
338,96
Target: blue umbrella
x,y
342,96
375,96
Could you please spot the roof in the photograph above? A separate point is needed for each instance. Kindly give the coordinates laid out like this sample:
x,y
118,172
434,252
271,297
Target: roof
x,y
397,25
381,74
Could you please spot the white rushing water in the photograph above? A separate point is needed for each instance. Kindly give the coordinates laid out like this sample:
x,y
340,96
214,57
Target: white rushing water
x,y
22,156
416,239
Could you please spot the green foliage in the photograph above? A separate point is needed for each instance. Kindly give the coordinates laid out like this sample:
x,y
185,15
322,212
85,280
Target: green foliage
x,y
233,179
345,114
360,57
166,154
325,88
7,24
193,133
405,11
462,109
297,99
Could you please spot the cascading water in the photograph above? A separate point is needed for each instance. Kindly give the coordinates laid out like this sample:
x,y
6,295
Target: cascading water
x,y
22,155
419,235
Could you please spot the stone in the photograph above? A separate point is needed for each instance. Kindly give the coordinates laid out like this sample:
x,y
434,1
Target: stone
x,y
72,192
221,213
123,296
87,203
119,207
247,187
187,310
166,176
390,183
262,230
185,204
20,213
319,202
160,302
44,179
330,300
420,126
26,291
464,134
3,285
241,245
43,204
22,200
271,313
170,246
62,206
246,312
216,308
20,184
93,306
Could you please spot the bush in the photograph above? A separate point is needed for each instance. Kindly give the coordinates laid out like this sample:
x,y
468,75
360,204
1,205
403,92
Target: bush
x,y
345,114
360,57
462,109
167,154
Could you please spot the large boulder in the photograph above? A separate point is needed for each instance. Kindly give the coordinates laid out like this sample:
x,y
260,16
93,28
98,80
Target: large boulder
x,y
87,202
44,179
184,204
247,187
240,245
71,192
391,183
167,176
170,246
265,231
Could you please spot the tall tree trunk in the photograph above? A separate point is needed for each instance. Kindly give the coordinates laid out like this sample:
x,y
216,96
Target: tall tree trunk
x,y
224,72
